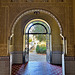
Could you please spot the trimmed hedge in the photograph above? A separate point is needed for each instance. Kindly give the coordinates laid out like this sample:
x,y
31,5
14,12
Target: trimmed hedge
x,y
41,49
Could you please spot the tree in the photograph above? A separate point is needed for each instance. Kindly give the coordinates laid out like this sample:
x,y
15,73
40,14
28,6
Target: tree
x,y
41,37
39,29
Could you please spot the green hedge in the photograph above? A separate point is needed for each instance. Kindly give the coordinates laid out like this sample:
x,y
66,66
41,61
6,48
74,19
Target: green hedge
x,y
41,49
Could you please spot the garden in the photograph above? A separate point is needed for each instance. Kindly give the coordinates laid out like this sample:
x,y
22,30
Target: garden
x,y
41,49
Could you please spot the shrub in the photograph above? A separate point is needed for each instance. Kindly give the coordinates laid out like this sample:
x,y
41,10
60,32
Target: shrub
x,y
37,49
41,49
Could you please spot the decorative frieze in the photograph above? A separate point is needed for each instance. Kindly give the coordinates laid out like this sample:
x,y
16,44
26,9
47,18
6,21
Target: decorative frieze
x,y
4,58
45,0
29,0
37,0
70,58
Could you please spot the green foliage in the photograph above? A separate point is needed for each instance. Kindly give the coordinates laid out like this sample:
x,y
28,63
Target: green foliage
x,y
37,49
39,29
41,37
41,49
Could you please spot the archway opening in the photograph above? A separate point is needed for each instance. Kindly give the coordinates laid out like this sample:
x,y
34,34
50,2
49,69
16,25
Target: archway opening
x,y
37,48
37,41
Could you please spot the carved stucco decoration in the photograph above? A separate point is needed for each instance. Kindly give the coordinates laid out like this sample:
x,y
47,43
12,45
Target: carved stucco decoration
x,y
30,11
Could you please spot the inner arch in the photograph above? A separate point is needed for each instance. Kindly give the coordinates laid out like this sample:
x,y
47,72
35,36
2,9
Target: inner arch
x,y
37,22
47,30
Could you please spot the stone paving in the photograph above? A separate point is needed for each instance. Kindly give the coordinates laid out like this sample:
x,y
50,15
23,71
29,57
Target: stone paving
x,y
33,56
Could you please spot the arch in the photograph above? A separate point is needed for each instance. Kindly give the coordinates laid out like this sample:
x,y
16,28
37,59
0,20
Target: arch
x,y
30,11
39,10
37,21
38,24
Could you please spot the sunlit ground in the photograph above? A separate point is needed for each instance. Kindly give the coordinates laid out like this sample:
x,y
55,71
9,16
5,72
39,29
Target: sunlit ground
x,y
35,55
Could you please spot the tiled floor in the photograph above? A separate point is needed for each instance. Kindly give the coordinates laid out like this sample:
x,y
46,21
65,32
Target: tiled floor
x,y
36,68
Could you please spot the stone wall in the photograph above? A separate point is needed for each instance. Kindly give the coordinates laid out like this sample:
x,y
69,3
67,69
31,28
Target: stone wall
x,y
62,11
74,22
3,31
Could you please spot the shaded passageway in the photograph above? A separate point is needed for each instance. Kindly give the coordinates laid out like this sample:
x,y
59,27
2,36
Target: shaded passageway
x,y
53,48
37,68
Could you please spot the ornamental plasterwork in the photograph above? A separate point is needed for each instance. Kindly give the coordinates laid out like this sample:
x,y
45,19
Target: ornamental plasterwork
x,y
30,11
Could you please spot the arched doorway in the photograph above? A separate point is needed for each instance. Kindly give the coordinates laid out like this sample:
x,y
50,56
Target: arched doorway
x,y
52,27
18,30
32,25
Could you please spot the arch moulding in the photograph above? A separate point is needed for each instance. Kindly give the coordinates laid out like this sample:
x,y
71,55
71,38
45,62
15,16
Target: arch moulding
x,y
38,10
